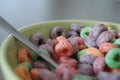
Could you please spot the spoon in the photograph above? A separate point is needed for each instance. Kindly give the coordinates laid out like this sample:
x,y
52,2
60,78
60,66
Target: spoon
x,y
10,29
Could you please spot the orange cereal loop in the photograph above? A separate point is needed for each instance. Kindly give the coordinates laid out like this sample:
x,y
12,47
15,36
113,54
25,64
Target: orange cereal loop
x,y
94,51
24,55
81,47
63,47
22,72
114,70
35,73
105,47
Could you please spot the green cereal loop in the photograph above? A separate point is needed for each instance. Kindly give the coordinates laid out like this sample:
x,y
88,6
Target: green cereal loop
x,y
82,77
112,58
34,56
95,78
45,51
85,32
117,42
113,40
81,53
27,65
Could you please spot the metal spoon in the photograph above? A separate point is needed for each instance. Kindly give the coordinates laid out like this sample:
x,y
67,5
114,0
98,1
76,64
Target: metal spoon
x,y
9,28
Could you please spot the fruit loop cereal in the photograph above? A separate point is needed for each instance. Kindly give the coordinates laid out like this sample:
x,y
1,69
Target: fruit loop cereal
x,y
83,53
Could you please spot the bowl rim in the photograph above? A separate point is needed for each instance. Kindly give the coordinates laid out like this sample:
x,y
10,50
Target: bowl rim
x,y
3,60
68,20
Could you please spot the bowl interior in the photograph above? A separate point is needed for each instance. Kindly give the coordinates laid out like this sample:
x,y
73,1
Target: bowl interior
x,y
8,52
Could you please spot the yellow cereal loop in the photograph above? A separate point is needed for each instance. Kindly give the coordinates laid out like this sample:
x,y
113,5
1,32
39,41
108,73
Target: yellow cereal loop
x,y
108,26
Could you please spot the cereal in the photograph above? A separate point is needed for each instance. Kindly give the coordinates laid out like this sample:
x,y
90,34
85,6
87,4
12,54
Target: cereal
x,y
99,65
22,72
24,55
49,49
63,47
108,27
113,40
86,69
97,30
90,41
104,76
116,76
40,64
75,44
50,42
66,74
45,51
76,27
105,36
85,32
27,65
94,51
71,34
65,71
34,56
114,33
57,31
69,61
82,77
87,58
79,40
35,74
117,42
45,74
81,47
118,35
105,47
37,39
80,43
83,53
115,70
108,76
112,57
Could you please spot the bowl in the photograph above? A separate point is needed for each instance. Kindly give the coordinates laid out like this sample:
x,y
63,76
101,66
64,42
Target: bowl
x,y
8,50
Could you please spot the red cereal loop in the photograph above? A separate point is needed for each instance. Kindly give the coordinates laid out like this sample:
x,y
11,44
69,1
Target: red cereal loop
x,y
105,47
35,73
63,47
61,67
66,60
80,40
24,56
22,72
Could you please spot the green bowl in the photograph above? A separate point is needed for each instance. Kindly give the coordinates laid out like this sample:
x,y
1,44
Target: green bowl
x,y
8,51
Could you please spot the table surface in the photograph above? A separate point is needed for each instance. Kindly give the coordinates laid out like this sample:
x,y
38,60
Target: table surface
x,y
20,13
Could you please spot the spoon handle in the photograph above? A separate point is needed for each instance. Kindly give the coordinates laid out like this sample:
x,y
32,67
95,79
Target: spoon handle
x,y
10,29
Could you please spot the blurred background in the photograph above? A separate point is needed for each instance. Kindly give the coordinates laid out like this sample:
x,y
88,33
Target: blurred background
x,y
24,12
